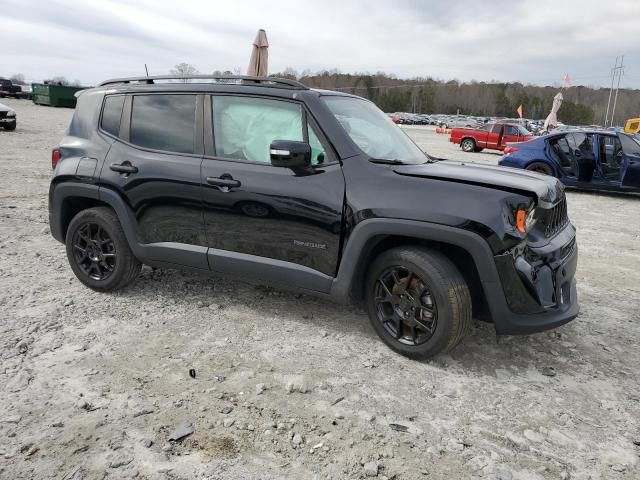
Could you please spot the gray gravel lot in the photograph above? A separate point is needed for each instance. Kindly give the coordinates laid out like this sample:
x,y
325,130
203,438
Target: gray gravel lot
x,y
287,386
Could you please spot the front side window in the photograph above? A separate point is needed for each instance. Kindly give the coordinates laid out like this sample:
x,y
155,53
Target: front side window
x,y
111,114
244,127
510,130
163,122
372,131
630,145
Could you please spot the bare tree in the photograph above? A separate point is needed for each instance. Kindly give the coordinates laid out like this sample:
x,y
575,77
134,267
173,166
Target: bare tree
x,y
184,69
291,73
18,79
57,81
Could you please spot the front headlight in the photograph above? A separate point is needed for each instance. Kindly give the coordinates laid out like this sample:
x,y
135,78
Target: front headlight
x,y
525,219
531,219
11,114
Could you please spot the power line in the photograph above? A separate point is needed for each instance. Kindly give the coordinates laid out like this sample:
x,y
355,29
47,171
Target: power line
x,y
616,73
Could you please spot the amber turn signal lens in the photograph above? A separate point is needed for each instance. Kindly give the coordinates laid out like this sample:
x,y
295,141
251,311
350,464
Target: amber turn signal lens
x,y
521,218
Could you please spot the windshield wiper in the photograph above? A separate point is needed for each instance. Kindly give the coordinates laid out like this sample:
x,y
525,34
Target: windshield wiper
x,y
386,161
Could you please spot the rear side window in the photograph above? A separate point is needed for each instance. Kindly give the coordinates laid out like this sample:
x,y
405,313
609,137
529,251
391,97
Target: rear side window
x,y
163,122
244,127
111,114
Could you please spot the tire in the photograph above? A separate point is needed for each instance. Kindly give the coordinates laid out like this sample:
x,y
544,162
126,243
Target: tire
x,y
9,128
436,282
540,167
468,145
98,251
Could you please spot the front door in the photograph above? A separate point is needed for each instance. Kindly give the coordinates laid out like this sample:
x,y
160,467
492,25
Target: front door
x,y
511,134
630,171
155,166
266,214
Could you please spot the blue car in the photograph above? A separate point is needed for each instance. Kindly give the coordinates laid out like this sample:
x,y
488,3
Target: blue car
x,y
589,160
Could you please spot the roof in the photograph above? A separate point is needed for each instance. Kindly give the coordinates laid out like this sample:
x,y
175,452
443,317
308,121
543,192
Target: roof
x,y
280,87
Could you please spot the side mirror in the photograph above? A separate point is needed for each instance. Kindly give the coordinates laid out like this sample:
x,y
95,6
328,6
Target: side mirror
x,y
290,154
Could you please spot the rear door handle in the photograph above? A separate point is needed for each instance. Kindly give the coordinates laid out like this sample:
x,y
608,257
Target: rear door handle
x,y
223,181
124,167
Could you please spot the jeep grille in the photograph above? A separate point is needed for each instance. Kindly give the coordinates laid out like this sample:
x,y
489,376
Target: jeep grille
x,y
555,218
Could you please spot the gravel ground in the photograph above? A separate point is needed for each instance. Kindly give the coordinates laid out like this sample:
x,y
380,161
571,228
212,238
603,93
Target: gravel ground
x,y
288,386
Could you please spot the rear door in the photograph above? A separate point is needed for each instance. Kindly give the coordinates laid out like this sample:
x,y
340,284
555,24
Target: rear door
x,y
155,166
610,159
266,214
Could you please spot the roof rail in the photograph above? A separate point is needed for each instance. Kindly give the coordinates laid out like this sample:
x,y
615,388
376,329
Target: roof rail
x,y
230,79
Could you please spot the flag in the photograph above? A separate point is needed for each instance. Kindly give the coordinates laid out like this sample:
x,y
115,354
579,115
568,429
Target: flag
x,y
519,110
566,79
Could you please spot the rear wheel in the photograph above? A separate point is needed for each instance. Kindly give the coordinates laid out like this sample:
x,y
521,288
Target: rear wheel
x,y
540,167
10,127
468,145
98,251
418,302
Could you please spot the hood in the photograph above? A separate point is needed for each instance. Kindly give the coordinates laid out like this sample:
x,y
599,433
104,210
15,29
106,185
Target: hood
x,y
4,108
547,189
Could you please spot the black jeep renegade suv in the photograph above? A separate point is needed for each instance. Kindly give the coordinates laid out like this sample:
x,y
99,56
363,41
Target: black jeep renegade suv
x,y
314,190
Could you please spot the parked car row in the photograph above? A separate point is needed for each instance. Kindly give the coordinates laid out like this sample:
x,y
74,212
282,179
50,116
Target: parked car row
x,y
461,121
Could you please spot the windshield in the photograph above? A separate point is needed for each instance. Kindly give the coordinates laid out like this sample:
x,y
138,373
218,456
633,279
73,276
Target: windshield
x,y
373,131
630,145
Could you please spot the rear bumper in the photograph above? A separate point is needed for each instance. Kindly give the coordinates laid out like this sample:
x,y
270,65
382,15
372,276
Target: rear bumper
x,y
539,286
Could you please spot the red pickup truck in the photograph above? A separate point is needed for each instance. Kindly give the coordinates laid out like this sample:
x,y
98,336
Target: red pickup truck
x,y
491,135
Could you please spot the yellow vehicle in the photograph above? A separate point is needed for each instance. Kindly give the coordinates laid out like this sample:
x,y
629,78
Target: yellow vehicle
x,y
632,126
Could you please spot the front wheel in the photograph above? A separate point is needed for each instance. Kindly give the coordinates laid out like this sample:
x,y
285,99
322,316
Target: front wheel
x,y
418,302
10,128
468,145
98,251
540,167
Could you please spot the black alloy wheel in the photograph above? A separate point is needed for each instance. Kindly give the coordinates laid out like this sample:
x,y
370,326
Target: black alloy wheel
x,y
98,251
405,306
418,301
94,251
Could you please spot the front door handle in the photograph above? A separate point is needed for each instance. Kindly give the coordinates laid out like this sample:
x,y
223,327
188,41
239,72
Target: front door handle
x,y
124,167
224,181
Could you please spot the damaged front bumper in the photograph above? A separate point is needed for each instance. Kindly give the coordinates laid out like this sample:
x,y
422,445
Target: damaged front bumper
x,y
539,285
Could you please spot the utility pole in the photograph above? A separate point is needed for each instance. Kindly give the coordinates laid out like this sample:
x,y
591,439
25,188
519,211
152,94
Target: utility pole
x,y
616,74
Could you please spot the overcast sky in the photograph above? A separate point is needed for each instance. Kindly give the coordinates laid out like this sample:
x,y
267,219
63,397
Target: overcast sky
x,y
533,41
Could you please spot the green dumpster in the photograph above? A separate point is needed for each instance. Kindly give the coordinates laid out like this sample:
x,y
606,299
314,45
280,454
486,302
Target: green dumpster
x,y
54,95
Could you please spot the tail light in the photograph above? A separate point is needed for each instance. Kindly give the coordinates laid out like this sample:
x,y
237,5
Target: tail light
x,y
509,150
55,157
